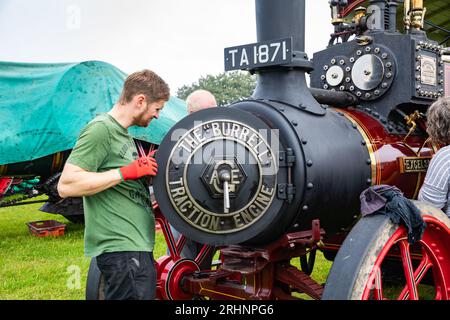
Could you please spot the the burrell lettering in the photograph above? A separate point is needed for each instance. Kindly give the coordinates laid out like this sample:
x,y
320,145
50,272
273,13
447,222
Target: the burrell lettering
x,y
194,209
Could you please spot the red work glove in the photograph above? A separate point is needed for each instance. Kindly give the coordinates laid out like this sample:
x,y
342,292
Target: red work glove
x,y
152,153
143,166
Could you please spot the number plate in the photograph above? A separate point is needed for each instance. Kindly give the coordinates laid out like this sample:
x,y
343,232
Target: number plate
x,y
261,54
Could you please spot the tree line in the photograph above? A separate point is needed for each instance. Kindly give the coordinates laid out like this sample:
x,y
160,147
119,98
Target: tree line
x,y
227,87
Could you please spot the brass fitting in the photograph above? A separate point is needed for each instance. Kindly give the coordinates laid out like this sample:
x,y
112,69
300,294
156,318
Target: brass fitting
x,y
359,13
411,122
417,5
414,14
406,16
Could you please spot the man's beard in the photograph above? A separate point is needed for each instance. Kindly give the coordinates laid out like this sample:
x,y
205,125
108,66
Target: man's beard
x,y
141,122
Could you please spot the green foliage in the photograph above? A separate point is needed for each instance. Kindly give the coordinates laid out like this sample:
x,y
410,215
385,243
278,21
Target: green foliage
x,y
227,87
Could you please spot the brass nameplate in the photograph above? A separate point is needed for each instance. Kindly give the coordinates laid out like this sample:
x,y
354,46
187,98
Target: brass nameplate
x,y
198,147
414,164
428,73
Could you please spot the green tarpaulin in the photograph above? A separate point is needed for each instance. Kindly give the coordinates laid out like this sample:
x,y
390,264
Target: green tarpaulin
x,y
44,106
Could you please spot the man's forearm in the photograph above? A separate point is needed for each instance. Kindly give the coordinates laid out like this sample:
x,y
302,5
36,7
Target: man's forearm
x,y
83,183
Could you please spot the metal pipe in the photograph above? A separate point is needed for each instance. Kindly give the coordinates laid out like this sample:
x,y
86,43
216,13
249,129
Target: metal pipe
x,y
417,13
417,5
281,19
393,15
406,16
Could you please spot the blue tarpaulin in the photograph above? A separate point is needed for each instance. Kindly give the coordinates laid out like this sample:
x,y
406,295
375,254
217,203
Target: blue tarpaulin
x,y
43,107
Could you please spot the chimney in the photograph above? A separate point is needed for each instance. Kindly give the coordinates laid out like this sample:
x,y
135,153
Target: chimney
x,y
277,19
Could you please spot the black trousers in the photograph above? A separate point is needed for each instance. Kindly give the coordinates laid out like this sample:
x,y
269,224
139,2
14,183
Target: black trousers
x,y
128,275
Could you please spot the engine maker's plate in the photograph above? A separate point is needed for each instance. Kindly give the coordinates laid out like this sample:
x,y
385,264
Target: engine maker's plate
x,y
196,155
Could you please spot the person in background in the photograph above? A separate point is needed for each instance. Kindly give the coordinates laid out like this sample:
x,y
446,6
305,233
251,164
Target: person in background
x,y
199,100
196,101
435,189
105,169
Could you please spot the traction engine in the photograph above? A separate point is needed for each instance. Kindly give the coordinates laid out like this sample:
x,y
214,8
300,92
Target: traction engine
x,y
268,181
276,177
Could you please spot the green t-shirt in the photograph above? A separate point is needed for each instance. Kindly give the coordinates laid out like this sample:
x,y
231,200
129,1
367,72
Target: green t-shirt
x,y
119,218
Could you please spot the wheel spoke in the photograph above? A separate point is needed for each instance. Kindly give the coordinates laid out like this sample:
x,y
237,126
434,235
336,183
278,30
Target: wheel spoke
x,y
420,272
378,290
408,269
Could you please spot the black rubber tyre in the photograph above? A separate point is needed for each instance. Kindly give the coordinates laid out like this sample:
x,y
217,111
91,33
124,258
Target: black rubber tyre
x,y
355,260
94,283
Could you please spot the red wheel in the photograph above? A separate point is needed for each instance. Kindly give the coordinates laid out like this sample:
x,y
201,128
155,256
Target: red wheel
x,y
377,262
170,274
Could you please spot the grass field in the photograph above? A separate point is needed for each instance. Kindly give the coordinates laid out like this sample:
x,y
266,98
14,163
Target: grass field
x,y
55,267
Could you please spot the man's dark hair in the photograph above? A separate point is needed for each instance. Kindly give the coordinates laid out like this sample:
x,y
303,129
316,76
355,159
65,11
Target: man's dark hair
x,y
144,82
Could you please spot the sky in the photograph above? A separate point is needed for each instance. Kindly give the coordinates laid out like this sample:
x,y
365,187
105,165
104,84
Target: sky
x,y
180,40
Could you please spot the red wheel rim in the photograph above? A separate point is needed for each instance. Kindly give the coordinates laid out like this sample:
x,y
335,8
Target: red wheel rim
x,y
170,275
430,254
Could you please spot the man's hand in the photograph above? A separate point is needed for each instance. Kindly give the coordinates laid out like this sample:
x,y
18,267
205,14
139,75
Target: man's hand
x,y
143,166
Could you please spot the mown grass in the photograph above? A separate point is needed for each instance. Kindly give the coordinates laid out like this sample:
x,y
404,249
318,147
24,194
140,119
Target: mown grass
x,y
55,268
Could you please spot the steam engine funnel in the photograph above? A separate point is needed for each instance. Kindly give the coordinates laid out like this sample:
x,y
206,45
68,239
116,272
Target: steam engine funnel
x,y
285,83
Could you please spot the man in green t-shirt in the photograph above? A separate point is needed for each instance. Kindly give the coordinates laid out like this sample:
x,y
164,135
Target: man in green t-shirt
x,y
105,169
